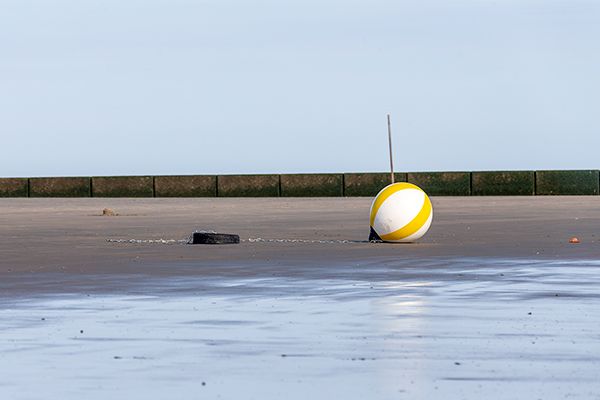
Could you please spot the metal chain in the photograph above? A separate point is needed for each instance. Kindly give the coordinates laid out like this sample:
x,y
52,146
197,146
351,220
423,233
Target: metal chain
x,y
344,241
187,240
249,240
149,241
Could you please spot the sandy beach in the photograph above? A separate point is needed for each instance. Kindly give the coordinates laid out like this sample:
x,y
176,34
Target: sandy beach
x,y
493,301
70,235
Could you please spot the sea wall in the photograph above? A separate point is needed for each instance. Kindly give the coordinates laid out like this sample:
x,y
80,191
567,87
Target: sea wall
x,y
455,183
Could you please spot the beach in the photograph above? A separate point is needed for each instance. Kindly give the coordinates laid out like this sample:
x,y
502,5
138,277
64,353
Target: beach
x,y
58,235
493,301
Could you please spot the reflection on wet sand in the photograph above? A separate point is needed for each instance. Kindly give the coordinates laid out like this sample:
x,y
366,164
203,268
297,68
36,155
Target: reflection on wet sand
x,y
467,328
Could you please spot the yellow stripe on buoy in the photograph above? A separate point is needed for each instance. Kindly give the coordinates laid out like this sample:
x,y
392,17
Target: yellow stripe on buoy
x,y
413,226
387,192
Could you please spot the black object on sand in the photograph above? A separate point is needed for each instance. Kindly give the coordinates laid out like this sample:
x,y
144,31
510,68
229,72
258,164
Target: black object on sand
x,y
373,236
214,238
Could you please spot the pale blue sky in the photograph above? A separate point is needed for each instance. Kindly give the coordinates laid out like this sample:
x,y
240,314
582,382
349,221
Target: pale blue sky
x,y
229,86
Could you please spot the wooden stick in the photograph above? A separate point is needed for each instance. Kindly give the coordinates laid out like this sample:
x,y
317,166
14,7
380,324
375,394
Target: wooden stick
x,y
390,145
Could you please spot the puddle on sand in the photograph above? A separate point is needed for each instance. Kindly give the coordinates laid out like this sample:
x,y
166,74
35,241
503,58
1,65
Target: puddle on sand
x,y
533,333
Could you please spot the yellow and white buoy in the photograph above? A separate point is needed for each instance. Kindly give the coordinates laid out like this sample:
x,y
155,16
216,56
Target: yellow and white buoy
x,y
401,212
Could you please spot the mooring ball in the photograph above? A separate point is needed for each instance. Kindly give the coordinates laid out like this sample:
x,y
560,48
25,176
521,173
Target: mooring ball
x,y
401,212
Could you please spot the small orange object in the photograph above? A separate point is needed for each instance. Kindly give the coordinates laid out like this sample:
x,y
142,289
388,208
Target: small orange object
x,y
574,240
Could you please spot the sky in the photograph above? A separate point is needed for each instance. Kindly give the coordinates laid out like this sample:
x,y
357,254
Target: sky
x,y
113,87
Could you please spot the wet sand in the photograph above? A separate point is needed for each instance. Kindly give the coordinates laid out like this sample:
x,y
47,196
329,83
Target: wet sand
x,y
493,303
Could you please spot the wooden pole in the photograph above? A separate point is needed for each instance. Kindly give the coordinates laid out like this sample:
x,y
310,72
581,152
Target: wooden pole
x,y
390,145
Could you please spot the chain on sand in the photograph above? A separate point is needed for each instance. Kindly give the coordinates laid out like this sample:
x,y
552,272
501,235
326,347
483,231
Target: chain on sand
x,y
249,240
149,241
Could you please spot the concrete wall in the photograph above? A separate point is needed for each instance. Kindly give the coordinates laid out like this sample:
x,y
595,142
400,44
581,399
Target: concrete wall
x,y
14,187
442,183
368,184
248,186
567,182
312,185
185,186
503,183
60,187
123,186
482,183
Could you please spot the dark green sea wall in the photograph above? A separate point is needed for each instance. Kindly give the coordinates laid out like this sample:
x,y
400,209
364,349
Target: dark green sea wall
x,y
248,185
312,185
368,184
14,187
478,183
503,183
581,182
60,187
442,183
185,186
123,186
